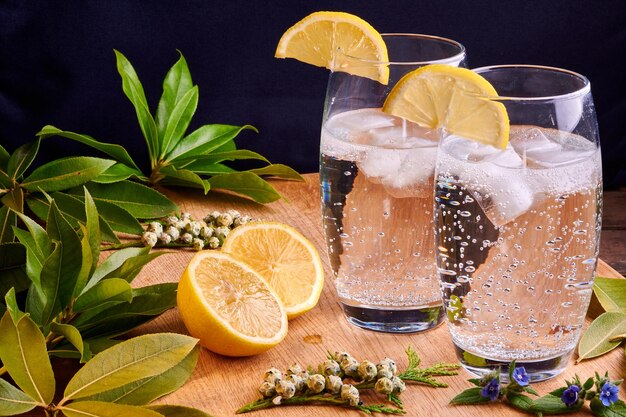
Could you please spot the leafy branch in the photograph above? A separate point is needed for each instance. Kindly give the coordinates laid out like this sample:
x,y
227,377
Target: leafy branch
x,y
63,302
340,380
197,159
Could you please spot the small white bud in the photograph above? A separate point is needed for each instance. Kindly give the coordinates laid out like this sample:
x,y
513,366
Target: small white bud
x,y
333,384
285,389
272,375
149,239
165,238
224,219
156,227
214,242
384,386
350,394
316,383
206,232
198,244
187,238
267,389
173,232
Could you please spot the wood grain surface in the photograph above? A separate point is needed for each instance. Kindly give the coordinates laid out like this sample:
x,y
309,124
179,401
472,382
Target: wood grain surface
x,y
220,385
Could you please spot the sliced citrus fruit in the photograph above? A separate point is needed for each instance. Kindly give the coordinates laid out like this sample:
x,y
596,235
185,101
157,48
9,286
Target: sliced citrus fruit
x,y
332,40
443,96
284,258
229,306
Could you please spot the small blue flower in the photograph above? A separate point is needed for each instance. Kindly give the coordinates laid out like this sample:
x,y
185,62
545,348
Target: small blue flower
x,y
570,395
520,376
608,395
491,390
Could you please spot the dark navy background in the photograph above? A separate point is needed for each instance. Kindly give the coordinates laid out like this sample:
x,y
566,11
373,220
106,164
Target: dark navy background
x,y
57,64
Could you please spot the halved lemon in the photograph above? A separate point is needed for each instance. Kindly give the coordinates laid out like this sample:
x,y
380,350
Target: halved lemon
x,y
229,306
442,96
331,39
286,259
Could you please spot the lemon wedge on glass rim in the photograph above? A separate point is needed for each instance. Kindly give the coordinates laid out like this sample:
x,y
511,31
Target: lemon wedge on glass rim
x,y
318,38
286,260
229,306
456,99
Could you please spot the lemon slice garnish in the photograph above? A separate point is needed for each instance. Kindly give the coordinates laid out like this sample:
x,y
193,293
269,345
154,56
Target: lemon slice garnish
x,y
318,38
455,99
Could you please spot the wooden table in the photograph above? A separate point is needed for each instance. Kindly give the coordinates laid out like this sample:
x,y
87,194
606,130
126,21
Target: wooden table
x,y
220,385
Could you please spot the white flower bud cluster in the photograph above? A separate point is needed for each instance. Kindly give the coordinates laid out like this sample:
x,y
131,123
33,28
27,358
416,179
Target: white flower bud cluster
x,y
329,380
207,233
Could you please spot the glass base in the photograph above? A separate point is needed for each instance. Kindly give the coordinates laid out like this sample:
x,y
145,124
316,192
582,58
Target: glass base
x,y
394,321
539,370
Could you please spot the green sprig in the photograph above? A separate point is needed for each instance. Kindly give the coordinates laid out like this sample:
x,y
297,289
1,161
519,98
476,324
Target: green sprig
x,y
425,375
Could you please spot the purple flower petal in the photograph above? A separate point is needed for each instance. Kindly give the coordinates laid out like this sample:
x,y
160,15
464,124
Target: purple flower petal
x,y
570,395
491,390
520,376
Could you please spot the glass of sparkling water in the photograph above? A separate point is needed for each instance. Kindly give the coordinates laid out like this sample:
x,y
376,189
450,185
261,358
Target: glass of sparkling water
x,y
376,180
517,230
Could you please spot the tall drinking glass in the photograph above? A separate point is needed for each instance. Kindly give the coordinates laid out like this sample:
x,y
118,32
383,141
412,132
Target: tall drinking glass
x,y
518,229
376,180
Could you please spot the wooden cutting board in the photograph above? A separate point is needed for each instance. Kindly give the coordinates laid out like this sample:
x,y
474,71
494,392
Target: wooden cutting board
x,y
220,385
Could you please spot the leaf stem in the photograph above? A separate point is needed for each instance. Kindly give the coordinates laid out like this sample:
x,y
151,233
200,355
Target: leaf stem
x,y
3,370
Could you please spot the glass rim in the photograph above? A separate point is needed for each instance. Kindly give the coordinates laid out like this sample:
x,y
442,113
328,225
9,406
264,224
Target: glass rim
x,y
585,89
454,58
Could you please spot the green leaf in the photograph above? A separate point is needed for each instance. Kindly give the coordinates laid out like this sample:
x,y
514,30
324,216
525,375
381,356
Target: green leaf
x,y
135,359
617,409
278,170
184,177
104,409
520,401
73,209
205,139
114,262
117,152
132,266
140,201
118,218
177,411
595,340
134,91
61,269
550,404
200,167
148,302
73,336
4,157
43,244
5,182
13,401
118,172
248,184
34,263
23,353
179,120
12,307
65,173
469,397
214,157
13,268
105,292
90,242
7,221
14,199
611,293
146,390
176,84
21,159
35,303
